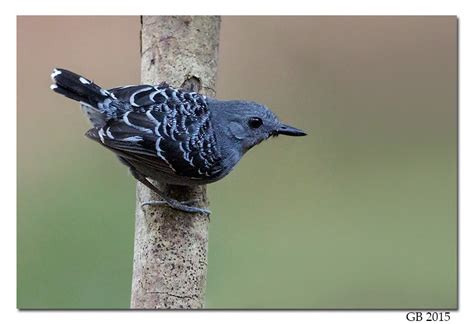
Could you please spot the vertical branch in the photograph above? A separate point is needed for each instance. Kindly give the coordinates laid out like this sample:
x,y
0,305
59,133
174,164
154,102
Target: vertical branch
x,y
170,253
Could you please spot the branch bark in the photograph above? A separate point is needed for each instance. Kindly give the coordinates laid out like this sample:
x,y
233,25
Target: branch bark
x,y
170,253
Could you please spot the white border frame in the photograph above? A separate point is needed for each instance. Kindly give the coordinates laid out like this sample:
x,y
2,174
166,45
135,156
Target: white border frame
x,y
462,9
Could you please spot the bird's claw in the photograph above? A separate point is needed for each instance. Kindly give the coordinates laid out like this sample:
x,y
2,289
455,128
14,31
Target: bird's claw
x,y
178,205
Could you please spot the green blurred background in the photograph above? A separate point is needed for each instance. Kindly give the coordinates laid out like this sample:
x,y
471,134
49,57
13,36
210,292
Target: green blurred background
x,y
361,213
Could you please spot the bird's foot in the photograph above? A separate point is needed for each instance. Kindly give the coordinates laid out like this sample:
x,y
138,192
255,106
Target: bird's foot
x,y
178,205
164,202
182,206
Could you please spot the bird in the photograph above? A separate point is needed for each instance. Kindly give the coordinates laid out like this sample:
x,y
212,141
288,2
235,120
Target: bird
x,y
171,135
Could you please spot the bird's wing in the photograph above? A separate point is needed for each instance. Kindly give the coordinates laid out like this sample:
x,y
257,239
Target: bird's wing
x,y
145,95
167,129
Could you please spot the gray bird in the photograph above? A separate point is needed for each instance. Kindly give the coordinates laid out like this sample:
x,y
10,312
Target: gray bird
x,y
171,135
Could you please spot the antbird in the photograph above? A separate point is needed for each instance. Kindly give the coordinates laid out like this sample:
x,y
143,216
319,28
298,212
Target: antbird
x,y
171,135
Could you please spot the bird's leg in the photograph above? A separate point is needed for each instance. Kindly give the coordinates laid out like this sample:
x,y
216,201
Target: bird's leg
x,y
182,206
163,202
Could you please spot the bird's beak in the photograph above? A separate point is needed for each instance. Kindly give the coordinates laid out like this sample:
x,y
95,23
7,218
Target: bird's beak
x,y
290,131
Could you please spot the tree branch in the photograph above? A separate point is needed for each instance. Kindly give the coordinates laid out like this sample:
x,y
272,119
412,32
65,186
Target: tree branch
x,y
170,253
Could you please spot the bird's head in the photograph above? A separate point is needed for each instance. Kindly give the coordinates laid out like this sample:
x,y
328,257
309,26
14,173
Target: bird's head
x,y
248,123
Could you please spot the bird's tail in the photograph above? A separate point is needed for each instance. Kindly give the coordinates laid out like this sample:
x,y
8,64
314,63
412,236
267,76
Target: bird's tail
x,y
94,100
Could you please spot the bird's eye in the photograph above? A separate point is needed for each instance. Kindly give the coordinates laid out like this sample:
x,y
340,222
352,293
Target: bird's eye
x,y
255,122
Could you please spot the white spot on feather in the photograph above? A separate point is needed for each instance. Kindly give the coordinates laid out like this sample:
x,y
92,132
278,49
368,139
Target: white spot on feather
x,y
132,98
173,129
157,123
109,134
101,135
127,121
84,81
174,95
55,73
185,154
158,152
153,94
133,139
